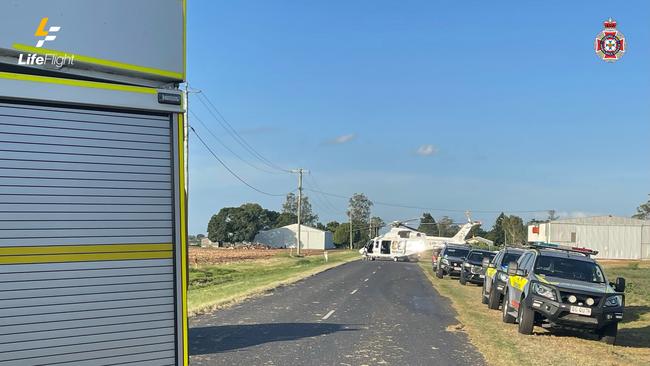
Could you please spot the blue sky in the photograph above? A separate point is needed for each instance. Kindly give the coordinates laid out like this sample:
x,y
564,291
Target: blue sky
x,y
507,103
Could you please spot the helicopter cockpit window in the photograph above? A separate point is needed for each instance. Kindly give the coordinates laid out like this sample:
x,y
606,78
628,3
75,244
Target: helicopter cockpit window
x,y
403,234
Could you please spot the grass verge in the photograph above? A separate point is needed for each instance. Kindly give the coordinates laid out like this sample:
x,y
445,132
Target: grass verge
x,y
501,344
214,286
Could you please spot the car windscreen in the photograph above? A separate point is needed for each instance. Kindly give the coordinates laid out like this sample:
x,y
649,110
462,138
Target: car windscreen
x,y
510,257
456,252
571,269
478,256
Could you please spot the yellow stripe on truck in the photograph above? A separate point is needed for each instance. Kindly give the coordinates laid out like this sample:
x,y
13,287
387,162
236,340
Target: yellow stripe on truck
x,y
84,253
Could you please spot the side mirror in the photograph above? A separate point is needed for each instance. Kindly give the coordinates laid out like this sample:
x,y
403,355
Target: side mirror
x,y
486,262
619,284
491,265
521,272
512,268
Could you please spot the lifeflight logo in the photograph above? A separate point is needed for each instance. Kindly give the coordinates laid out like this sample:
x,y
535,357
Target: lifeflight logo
x,y
56,60
41,32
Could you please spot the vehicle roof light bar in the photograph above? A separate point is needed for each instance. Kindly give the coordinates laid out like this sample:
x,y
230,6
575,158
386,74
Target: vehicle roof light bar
x,y
566,248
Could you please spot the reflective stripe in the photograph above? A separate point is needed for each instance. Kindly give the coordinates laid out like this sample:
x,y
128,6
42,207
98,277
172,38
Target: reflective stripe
x,y
82,249
79,83
102,62
181,193
518,282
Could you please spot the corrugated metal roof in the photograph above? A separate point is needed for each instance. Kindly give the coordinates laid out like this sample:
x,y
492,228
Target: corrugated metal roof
x,y
603,220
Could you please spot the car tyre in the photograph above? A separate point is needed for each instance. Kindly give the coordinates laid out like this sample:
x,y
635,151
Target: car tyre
x,y
507,318
484,299
525,319
462,278
493,299
608,333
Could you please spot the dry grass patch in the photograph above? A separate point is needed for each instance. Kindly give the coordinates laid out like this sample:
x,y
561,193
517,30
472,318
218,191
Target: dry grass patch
x,y
214,286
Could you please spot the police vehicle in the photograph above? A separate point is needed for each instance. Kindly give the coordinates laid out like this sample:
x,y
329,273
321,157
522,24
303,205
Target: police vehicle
x,y
496,276
472,269
451,259
563,286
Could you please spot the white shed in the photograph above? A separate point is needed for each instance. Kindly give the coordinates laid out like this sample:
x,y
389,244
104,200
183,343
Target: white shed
x,y
614,237
286,236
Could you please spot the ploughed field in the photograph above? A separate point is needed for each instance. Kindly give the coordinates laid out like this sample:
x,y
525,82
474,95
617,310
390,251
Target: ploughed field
x,y
206,256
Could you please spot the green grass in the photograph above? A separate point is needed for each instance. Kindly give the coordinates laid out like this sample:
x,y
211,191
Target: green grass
x,y
501,344
218,285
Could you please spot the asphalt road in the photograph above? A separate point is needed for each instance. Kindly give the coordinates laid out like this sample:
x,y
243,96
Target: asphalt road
x,y
360,313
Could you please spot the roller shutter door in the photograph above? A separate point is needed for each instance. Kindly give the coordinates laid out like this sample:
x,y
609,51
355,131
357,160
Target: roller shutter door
x,y
86,233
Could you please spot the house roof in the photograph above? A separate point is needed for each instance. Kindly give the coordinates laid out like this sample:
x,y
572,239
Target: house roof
x,y
604,220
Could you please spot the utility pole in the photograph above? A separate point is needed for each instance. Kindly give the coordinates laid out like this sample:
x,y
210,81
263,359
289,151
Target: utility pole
x,y
299,171
350,218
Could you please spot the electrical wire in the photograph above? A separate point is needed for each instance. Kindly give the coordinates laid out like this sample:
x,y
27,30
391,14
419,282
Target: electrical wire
x,y
230,170
428,208
207,103
194,116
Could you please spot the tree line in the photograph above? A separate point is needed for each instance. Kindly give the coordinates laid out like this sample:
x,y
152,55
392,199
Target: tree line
x,y
241,224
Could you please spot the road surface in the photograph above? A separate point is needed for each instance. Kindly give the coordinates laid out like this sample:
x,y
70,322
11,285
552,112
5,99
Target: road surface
x,y
360,313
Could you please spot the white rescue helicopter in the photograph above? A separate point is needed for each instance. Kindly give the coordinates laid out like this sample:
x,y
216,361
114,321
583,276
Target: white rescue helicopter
x,y
403,242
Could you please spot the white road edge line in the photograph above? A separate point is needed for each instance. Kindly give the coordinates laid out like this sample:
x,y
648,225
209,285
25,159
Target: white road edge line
x,y
328,314
354,292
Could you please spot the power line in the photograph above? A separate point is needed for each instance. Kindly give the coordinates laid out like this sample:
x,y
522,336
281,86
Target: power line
x,y
427,208
230,170
228,148
207,103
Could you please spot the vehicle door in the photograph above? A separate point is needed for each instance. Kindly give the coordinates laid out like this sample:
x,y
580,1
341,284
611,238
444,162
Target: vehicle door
x,y
518,283
490,273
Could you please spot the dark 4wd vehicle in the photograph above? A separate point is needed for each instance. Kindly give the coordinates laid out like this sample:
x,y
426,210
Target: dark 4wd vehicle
x,y
450,260
496,276
563,286
472,269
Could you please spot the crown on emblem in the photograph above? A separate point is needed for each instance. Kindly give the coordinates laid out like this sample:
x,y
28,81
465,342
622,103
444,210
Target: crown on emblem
x,y
610,23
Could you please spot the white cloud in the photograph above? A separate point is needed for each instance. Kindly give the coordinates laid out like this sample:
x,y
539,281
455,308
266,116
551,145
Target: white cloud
x,y
343,139
426,150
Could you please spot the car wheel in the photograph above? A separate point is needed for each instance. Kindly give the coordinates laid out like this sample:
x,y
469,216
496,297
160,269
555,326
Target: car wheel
x,y
462,279
608,333
507,318
493,299
484,299
526,318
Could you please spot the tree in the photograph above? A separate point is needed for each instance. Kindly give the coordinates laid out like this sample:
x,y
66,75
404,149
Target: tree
x,y
332,226
552,216
285,219
446,227
359,211
376,223
290,207
320,226
477,230
643,211
200,236
238,224
428,225
515,229
342,235
496,234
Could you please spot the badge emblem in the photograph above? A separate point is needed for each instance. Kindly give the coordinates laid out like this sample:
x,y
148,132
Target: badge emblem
x,y
610,44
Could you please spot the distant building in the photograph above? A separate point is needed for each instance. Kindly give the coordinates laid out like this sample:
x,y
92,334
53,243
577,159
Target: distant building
x,y
285,237
614,237
205,242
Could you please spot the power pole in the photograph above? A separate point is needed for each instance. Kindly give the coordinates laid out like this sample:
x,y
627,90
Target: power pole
x,y
299,171
350,217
